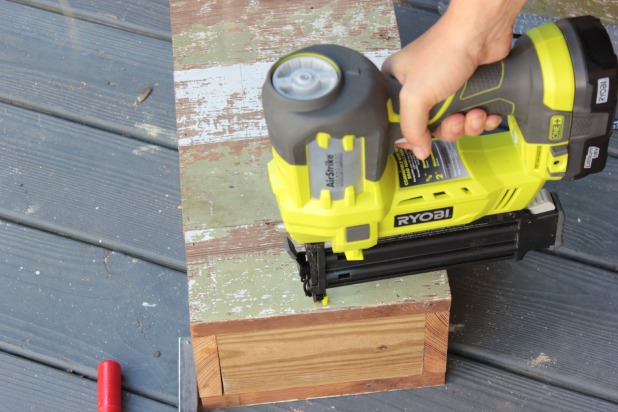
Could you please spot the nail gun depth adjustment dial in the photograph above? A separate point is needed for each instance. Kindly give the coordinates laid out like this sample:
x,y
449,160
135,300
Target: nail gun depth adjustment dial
x,y
305,77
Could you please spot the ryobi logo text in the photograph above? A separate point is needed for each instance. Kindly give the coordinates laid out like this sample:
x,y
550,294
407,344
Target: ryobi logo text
x,y
593,153
602,90
423,217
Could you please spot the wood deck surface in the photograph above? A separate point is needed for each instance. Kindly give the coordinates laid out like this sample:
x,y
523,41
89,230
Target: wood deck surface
x,y
92,248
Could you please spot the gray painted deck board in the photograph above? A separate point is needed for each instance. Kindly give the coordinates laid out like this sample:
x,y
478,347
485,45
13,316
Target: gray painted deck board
x,y
469,386
87,73
545,317
28,386
147,17
70,142
71,305
91,185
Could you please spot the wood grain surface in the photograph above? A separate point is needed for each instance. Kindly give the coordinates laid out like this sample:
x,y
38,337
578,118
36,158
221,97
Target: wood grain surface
x,y
314,355
435,348
91,185
145,17
87,73
70,305
27,385
320,391
544,317
565,323
208,368
233,234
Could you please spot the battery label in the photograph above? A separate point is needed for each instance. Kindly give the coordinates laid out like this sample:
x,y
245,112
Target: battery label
x,y
443,164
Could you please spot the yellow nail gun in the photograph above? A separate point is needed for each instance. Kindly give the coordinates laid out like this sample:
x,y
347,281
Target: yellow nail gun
x,y
366,210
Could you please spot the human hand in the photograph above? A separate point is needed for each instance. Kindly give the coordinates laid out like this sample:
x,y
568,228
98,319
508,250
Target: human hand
x,y
471,33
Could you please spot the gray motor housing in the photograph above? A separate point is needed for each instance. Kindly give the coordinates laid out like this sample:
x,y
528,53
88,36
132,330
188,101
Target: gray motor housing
x,y
357,106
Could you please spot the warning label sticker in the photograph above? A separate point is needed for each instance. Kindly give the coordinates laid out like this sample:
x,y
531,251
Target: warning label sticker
x,y
443,164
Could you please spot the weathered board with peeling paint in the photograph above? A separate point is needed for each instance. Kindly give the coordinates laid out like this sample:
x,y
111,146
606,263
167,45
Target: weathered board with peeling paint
x,y
606,10
419,15
217,33
222,51
239,272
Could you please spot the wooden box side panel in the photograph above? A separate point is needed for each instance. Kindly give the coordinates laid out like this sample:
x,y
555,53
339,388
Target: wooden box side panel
x,y
436,342
322,391
207,366
299,362
314,354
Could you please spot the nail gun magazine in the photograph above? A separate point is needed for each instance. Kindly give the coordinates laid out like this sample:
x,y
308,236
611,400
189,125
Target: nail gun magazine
x,y
365,210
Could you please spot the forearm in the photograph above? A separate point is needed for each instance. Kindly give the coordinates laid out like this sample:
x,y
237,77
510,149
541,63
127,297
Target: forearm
x,y
471,33
484,27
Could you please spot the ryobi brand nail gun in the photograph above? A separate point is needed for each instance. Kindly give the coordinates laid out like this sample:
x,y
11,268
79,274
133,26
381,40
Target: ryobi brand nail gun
x,y
366,210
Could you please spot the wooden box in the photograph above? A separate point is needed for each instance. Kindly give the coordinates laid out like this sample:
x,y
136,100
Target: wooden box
x,y
256,337
373,337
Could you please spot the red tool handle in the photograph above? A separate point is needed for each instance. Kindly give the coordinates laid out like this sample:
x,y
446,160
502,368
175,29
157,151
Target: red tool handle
x,y
110,392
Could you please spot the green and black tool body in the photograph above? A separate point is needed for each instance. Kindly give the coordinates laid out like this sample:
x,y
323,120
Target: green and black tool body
x,y
366,210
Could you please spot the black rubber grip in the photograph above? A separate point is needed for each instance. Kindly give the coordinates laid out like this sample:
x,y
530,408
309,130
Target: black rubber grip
x,y
482,90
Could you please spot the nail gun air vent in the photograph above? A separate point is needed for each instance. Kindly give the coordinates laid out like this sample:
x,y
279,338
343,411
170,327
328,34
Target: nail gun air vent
x,y
537,158
439,195
412,201
506,199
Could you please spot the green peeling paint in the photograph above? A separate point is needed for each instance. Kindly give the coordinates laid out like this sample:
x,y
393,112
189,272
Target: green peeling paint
x,y
250,36
606,10
228,189
225,186
264,286
215,45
